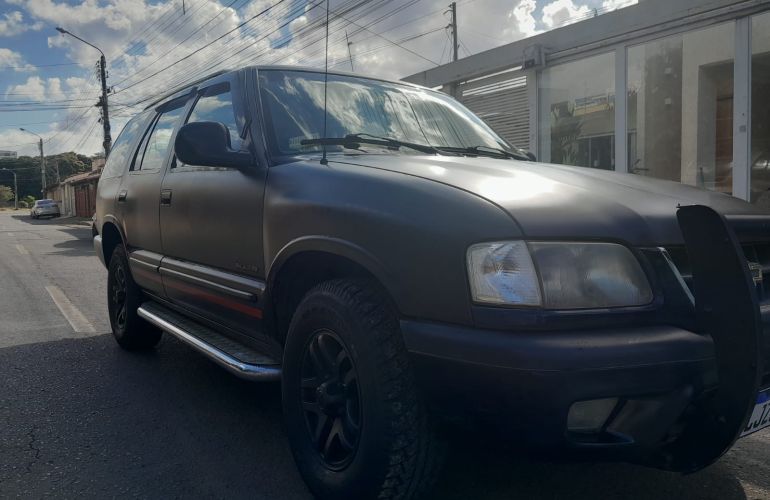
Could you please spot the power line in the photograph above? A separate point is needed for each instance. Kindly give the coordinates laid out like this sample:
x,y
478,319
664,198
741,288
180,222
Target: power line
x,y
39,66
190,72
203,47
224,9
205,66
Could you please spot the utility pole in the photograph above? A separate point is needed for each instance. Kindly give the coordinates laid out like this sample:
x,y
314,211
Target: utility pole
x,y
105,107
453,26
105,90
455,43
350,55
42,157
42,164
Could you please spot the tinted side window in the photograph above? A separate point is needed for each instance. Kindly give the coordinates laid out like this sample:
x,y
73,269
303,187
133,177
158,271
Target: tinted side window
x,y
216,105
120,154
159,141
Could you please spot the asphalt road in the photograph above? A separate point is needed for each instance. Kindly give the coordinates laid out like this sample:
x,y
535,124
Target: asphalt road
x,y
82,419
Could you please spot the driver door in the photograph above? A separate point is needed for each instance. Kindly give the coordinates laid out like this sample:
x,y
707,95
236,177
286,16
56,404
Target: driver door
x,y
211,223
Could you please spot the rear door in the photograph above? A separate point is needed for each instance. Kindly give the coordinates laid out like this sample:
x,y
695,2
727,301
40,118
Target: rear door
x,y
139,195
211,222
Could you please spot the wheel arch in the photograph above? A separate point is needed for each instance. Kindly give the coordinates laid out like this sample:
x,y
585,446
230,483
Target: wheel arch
x,y
308,261
111,237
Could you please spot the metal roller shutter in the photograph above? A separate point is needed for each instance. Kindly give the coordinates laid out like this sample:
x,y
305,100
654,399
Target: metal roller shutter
x,y
501,101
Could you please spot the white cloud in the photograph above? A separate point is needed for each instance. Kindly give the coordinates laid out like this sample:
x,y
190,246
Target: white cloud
x,y
114,24
561,12
12,23
523,21
617,4
33,89
11,59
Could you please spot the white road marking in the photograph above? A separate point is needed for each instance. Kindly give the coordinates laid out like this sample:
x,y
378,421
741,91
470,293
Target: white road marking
x,y
22,250
72,314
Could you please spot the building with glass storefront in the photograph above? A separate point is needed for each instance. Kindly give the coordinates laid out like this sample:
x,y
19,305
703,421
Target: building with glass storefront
x,y
695,81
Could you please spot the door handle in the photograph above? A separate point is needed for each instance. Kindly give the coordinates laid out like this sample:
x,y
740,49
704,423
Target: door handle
x,y
165,197
122,196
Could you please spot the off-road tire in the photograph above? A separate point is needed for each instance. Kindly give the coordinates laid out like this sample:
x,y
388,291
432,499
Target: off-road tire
x,y
130,331
398,453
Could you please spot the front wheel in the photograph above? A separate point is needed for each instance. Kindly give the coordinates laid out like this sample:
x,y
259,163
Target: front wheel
x,y
123,299
357,425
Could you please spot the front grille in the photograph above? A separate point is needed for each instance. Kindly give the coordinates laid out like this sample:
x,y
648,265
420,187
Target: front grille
x,y
757,254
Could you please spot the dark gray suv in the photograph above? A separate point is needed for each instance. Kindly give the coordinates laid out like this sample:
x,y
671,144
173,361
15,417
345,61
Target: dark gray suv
x,y
403,271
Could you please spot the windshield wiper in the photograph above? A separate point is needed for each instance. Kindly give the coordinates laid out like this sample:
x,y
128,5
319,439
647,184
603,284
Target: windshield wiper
x,y
353,141
486,151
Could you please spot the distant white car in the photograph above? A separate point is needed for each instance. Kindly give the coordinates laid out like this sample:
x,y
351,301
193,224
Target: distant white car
x,y
43,208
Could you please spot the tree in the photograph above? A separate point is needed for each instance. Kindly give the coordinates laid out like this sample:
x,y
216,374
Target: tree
x,y
28,170
6,194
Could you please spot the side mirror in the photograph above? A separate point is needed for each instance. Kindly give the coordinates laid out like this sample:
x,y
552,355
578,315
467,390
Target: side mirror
x,y
207,144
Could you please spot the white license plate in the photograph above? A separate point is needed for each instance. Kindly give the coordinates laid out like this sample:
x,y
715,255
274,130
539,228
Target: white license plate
x,y
760,418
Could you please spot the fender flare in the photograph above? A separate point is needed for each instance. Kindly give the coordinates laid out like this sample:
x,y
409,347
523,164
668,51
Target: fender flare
x,y
334,246
111,219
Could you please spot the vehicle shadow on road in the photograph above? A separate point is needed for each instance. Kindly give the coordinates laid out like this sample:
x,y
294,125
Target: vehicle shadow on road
x,y
44,221
80,245
86,419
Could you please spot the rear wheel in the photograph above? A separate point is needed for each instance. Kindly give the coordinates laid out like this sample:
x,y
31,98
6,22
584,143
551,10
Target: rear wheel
x,y
123,299
357,425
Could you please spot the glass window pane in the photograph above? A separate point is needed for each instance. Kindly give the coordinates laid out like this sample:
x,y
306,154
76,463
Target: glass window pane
x,y
680,108
760,110
577,112
121,149
218,108
160,140
294,103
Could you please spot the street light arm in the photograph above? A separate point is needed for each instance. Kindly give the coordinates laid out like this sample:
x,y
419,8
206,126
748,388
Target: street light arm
x,y
65,32
30,132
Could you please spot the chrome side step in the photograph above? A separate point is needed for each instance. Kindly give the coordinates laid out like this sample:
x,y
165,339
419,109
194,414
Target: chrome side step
x,y
240,360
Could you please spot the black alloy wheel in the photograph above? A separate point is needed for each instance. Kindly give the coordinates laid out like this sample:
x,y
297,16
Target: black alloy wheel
x,y
331,399
118,295
356,421
124,297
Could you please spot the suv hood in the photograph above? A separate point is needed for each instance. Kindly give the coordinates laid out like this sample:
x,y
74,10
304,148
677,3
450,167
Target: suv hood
x,y
557,201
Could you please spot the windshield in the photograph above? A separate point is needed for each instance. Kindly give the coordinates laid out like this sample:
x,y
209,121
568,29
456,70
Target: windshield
x,y
294,106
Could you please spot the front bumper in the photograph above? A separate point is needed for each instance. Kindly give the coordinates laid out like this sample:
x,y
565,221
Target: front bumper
x,y
680,392
46,211
521,385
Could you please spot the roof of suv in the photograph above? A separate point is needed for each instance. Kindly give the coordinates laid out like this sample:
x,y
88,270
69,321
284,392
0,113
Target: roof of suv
x,y
181,89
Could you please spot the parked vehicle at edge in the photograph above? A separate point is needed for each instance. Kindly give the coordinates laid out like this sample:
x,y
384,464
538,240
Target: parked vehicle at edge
x,y
43,208
395,263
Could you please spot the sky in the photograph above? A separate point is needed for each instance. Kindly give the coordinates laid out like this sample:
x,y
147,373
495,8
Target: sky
x,y
49,85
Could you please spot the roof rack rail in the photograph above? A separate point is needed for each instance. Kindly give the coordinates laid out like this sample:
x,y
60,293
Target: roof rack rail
x,y
187,85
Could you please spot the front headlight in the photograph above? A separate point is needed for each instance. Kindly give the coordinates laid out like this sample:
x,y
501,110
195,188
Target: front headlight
x,y
557,275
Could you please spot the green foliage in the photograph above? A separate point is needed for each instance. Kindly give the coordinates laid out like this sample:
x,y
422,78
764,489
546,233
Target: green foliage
x,y
6,194
23,204
29,200
27,169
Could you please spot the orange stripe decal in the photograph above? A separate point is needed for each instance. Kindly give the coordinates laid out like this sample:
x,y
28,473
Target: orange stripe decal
x,y
254,312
